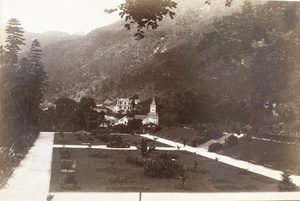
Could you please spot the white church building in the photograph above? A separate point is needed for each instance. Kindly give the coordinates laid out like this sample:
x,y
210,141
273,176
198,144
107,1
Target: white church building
x,y
152,116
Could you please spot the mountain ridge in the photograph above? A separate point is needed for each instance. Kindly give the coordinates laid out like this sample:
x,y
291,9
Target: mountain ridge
x,y
112,50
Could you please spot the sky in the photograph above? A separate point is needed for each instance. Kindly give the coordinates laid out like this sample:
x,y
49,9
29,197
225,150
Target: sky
x,y
70,16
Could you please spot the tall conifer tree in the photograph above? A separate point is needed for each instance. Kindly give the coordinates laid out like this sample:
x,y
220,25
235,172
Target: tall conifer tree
x,y
10,85
38,78
14,39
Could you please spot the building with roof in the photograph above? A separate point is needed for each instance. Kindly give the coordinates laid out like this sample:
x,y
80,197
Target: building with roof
x,y
152,116
124,104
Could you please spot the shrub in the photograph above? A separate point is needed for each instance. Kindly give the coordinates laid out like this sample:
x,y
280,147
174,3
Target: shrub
x,y
117,142
135,124
215,147
232,140
90,138
169,168
94,132
157,128
213,133
120,128
99,131
66,164
198,140
70,182
286,183
103,137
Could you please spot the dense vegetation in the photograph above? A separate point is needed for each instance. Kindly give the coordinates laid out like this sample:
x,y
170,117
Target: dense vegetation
x,y
243,67
22,85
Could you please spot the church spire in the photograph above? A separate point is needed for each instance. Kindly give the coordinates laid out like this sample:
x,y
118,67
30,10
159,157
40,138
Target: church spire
x,y
153,102
153,106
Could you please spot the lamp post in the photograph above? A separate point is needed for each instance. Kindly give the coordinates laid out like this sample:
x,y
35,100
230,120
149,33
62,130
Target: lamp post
x,y
140,194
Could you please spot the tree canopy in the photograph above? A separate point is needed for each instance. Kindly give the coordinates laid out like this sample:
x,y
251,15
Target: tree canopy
x,y
147,13
22,85
14,40
262,42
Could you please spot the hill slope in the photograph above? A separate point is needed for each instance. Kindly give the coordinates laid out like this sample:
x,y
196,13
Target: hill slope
x,y
243,67
112,51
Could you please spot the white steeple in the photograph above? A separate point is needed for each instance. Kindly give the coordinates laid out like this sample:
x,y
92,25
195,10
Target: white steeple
x,y
153,106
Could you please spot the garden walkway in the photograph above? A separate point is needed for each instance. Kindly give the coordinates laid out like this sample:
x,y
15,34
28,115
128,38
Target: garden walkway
x,y
31,180
275,174
111,148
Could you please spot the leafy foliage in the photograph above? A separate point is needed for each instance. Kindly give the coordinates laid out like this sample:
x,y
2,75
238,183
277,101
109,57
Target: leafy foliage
x,y
255,44
286,183
87,116
14,39
36,79
116,141
163,168
135,124
215,147
232,140
22,86
227,2
66,113
143,147
145,13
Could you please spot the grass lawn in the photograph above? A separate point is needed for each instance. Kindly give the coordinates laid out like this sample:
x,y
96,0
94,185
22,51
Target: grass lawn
x,y
178,134
97,175
279,155
71,139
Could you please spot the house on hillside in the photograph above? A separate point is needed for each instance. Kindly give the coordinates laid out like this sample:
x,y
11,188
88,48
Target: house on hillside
x,y
150,118
124,120
124,104
111,119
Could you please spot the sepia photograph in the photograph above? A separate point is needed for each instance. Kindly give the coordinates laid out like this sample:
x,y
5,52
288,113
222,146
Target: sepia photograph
x,y
147,100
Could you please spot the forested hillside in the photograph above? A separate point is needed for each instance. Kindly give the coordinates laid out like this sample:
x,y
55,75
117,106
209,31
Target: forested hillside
x,y
81,66
243,67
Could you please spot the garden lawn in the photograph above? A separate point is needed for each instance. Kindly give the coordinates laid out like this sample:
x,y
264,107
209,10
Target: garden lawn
x,y
71,139
97,175
177,134
279,156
